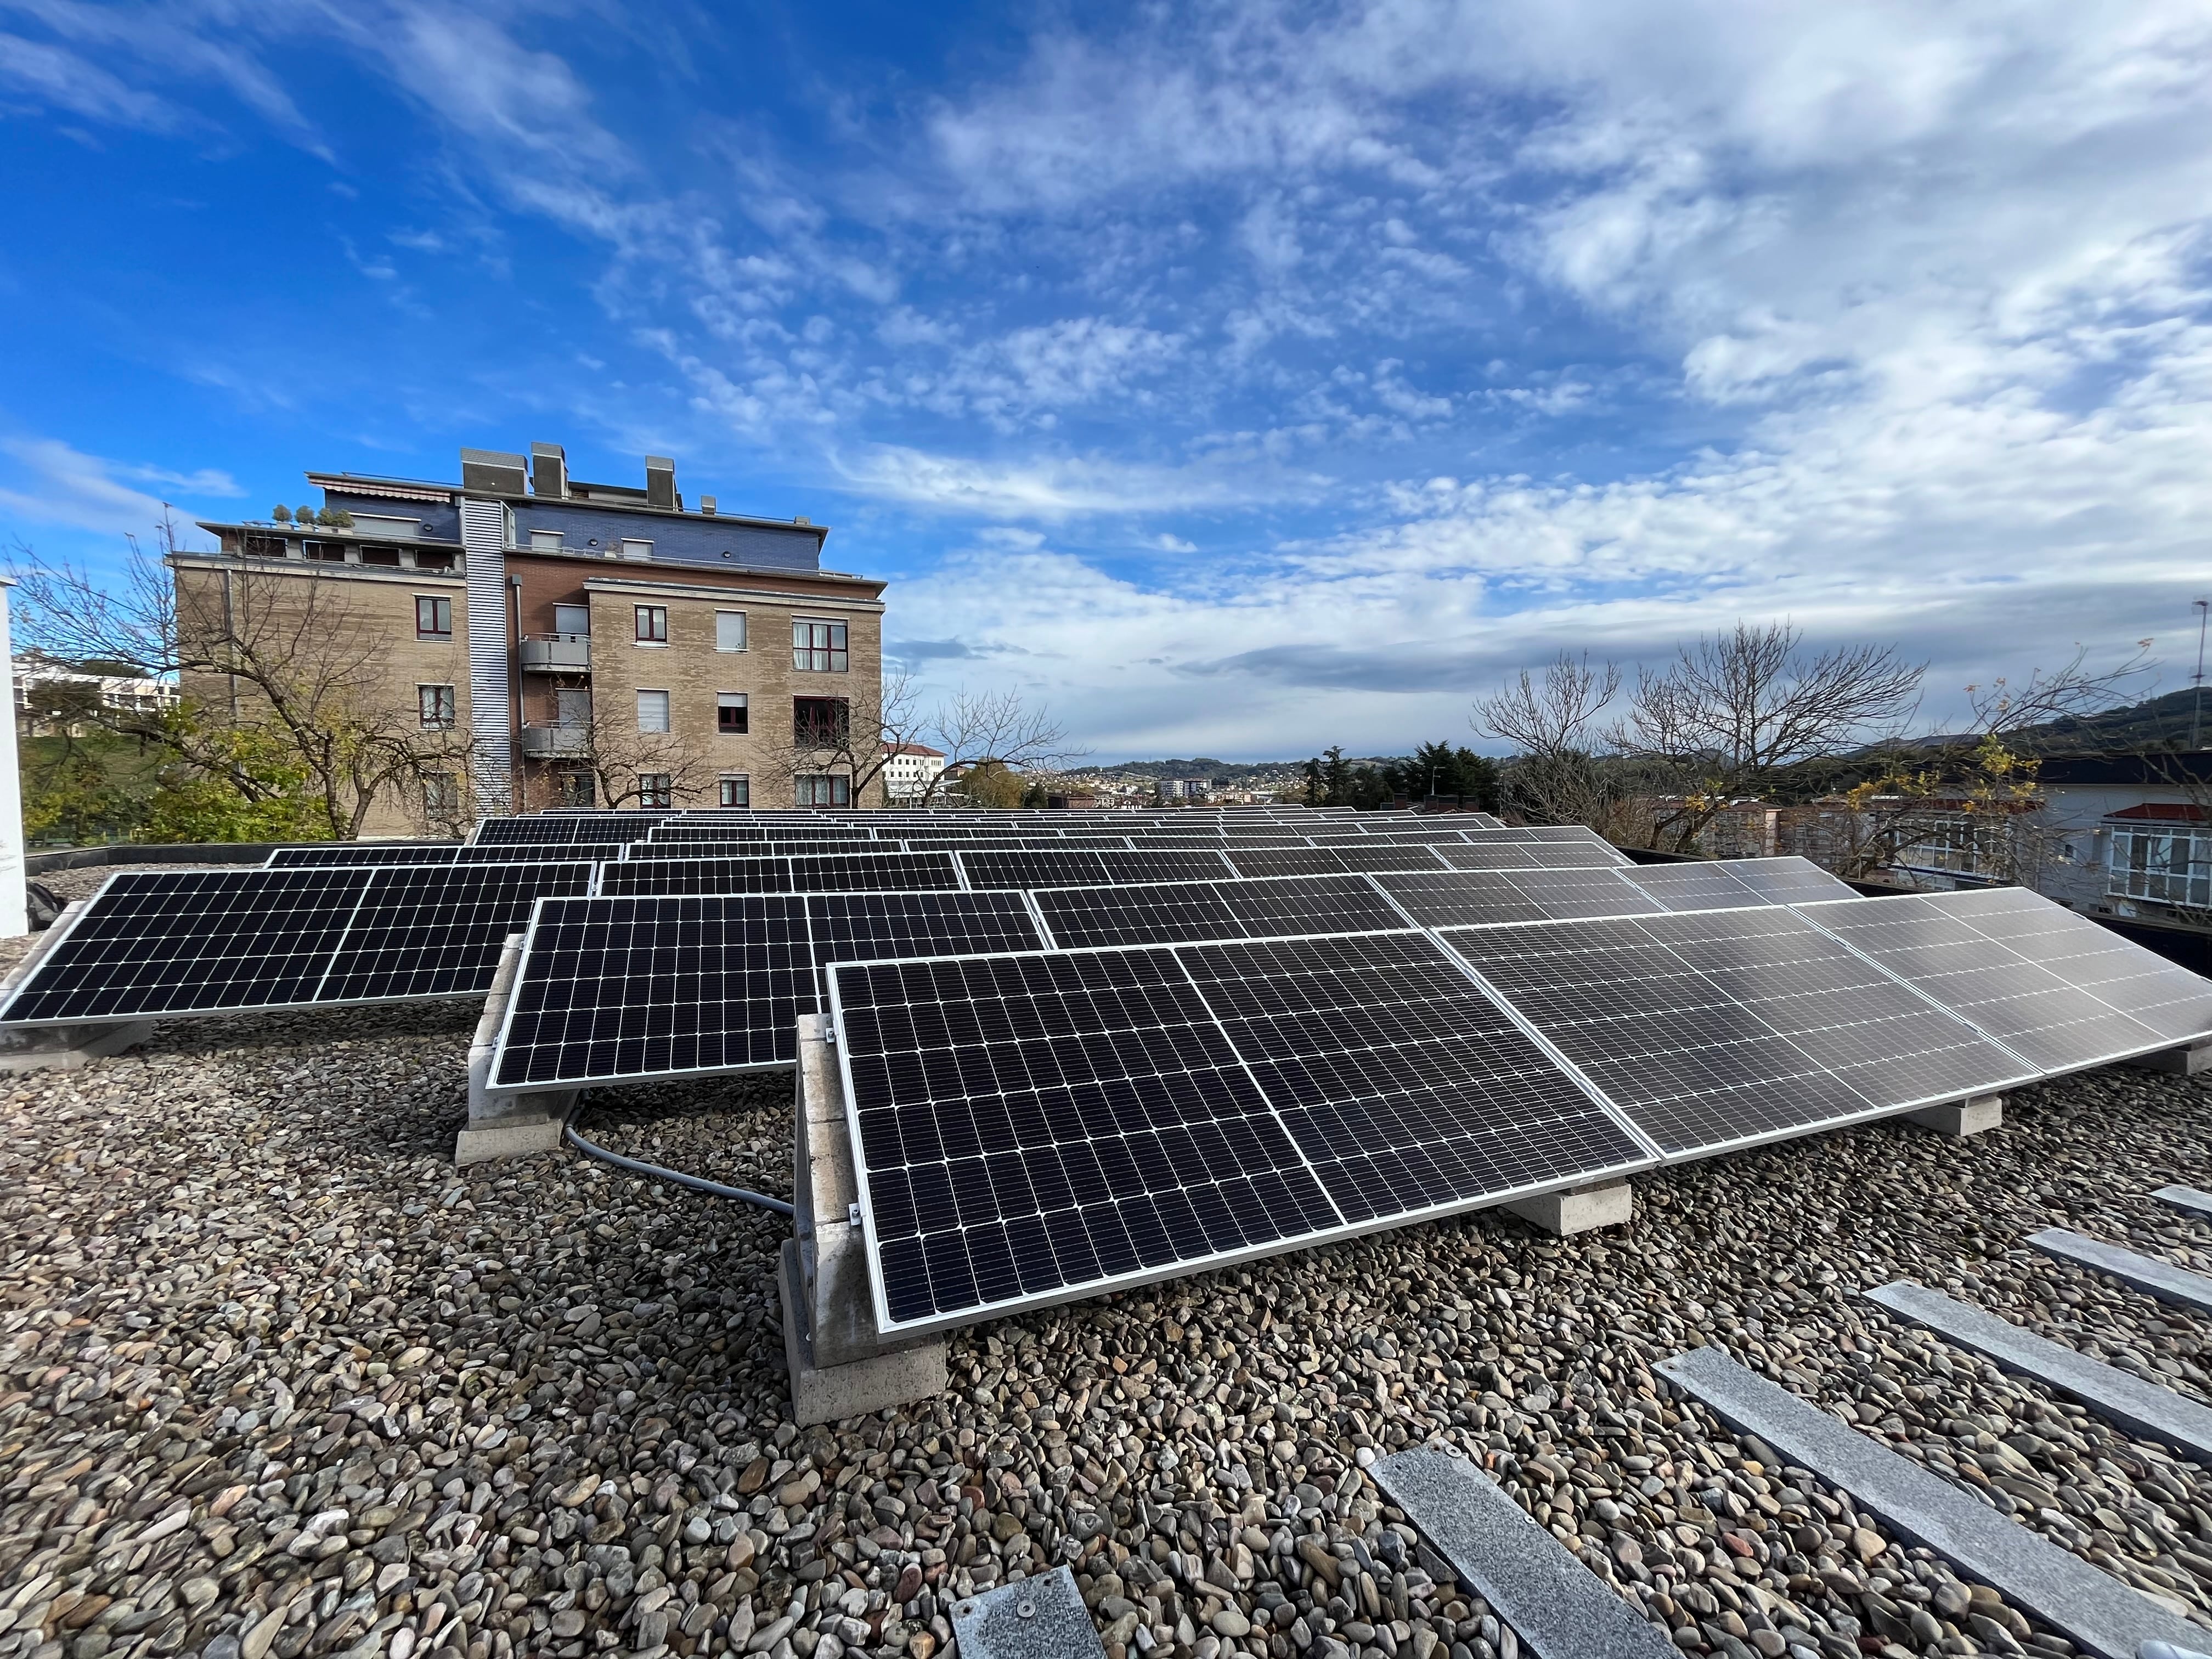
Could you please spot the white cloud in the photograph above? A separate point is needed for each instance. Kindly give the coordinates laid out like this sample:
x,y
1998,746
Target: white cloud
x,y
52,483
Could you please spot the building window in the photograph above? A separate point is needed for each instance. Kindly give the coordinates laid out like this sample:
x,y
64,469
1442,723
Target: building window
x,y
735,791
433,558
434,617
820,723
2162,866
653,624
442,794
439,707
818,648
637,549
574,620
655,789
653,711
545,541
731,712
831,789
575,788
729,630
265,547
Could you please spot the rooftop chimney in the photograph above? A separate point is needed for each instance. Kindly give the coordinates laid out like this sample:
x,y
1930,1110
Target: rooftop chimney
x,y
659,482
707,504
493,472
548,471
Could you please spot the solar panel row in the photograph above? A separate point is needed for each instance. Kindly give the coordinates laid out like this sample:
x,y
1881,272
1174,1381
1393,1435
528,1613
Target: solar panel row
x,y
228,941
1692,1030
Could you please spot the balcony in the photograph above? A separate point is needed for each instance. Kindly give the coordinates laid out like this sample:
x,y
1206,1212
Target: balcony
x,y
555,742
556,653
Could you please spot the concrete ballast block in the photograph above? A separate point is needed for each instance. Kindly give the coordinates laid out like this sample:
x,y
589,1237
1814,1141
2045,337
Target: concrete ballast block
x,y
841,1363
2184,1061
513,1123
1961,1118
1605,1204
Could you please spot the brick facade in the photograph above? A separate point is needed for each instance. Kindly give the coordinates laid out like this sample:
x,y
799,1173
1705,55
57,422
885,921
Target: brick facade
x,y
545,593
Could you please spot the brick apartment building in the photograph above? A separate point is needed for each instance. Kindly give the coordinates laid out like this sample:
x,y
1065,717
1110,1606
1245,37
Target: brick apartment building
x,y
564,626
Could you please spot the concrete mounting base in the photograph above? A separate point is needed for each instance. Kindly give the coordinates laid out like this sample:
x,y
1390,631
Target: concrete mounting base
x,y
511,1125
828,1393
841,1364
1607,1204
1961,1118
65,1048
2184,1061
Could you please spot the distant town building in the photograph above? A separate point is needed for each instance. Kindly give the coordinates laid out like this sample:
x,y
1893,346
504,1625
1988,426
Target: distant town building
x,y
547,619
912,767
40,679
1184,789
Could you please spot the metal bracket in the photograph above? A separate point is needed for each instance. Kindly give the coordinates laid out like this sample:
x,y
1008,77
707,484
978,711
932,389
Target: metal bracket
x,y
852,1214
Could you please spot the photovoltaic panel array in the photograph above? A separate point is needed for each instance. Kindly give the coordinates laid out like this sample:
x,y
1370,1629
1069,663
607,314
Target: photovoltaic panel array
x,y
1183,911
1724,885
204,941
625,988
1036,1127
812,872
1718,1028
2052,986
356,854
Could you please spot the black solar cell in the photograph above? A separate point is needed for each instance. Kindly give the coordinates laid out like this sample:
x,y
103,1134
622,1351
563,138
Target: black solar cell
x,y
439,932
632,989
1716,1029
357,854
194,940
1036,1127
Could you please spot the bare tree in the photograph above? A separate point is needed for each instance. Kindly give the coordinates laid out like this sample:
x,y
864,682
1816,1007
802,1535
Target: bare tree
x,y
621,758
1734,713
1556,774
283,680
1973,796
858,737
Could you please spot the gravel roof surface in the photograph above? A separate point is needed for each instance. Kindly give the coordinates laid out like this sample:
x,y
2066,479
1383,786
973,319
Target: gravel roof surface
x,y
275,1379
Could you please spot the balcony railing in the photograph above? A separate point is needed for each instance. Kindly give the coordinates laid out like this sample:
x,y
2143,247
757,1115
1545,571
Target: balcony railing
x,y
555,742
556,653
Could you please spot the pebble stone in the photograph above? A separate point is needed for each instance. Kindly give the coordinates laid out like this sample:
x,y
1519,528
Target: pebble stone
x,y
276,1380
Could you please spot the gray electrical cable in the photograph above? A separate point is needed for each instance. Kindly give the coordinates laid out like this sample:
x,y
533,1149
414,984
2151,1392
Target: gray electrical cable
x,y
697,1183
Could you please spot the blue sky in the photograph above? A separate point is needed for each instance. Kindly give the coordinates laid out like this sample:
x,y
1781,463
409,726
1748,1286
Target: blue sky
x,y
1236,379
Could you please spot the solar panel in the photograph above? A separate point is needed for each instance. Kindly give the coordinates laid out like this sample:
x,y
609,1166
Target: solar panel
x,y
1031,1128
1533,855
1331,861
815,872
633,988
2052,986
1720,1029
439,932
610,830
1730,884
1444,898
208,939
1176,912
1071,866
356,853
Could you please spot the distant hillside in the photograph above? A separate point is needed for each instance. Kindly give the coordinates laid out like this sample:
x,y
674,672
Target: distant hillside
x,y
2160,723
1203,767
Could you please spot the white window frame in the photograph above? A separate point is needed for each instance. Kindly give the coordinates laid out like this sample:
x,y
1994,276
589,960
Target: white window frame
x,y
722,631
546,541
636,547
667,712
2169,865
